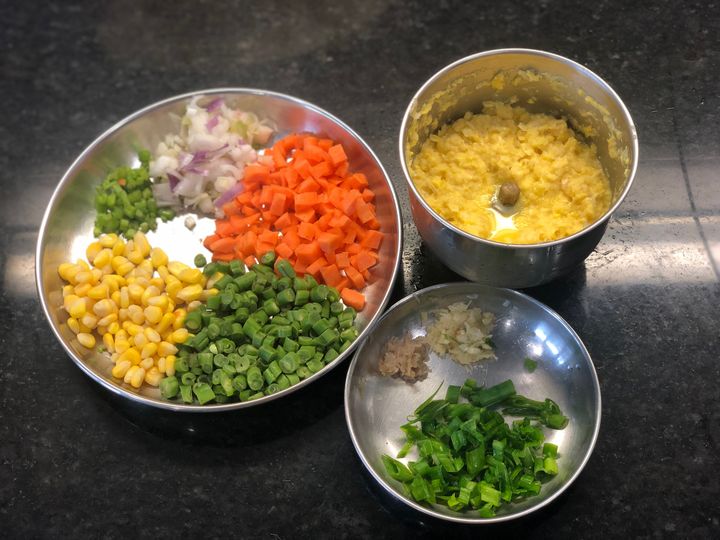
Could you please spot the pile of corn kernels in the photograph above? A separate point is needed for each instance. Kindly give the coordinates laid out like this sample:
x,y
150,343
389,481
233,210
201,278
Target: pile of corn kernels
x,y
135,300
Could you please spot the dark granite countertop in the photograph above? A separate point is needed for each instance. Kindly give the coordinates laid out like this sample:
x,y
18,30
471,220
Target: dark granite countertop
x,y
76,463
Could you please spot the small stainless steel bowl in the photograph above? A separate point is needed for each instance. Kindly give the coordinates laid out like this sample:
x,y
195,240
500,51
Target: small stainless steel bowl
x,y
550,84
67,227
376,406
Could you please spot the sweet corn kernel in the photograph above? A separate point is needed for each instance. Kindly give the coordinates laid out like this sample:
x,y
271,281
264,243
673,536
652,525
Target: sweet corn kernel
x,y
129,373
135,291
172,287
104,308
176,268
89,320
170,365
192,306
158,257
103,258
68,271
114,327
108,319
148,350
118,261
135,256
163,272
158,282
115,297
140,340
98,292
92,250
121,345
83,265
146,267
153,376
118,248
73,325
180,335
132,328
84,328
109,342
96,275
108,240
136,315
84,277
160,301
161,365
179,321
141,243
150,292
67,290
120,369
146,363
190,293
86,340
82,289
152,335
132,355
124,297
190,276
208,293
101,330
137,378
77,308
166,348
153,314
165,323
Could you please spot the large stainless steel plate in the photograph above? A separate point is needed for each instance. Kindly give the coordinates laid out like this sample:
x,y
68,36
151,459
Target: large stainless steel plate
x,y
376,406
67,225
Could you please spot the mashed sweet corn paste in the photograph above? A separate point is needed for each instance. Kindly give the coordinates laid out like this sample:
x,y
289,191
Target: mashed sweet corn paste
x,y
563,188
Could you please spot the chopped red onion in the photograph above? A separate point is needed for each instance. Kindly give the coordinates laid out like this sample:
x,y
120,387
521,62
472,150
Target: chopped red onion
x,y
229,194
214,105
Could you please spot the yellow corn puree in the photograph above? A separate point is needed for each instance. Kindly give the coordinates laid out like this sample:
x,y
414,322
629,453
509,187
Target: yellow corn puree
x,y
562,185
134,300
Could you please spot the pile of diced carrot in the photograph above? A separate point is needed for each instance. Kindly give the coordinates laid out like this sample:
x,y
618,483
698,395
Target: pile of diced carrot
x,y
311,210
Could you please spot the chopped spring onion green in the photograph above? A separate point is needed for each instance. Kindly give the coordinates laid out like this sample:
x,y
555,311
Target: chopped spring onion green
x,y
469,457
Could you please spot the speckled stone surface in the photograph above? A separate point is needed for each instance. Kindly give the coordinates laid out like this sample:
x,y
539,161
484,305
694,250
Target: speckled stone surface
x,y
76,463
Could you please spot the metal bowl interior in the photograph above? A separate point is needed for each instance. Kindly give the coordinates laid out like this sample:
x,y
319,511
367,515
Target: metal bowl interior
x,y
541,82
67,226
376,406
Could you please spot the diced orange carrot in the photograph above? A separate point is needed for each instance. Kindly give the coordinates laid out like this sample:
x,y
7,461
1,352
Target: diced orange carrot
x,y
307,231
308,185
283,221
222,245
337,154
364,260
315,154
331,275
316,266
342,260
308,252
283,250
356,277
372,239
256,174
277,205
321,169
305,201
364,211
353,298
